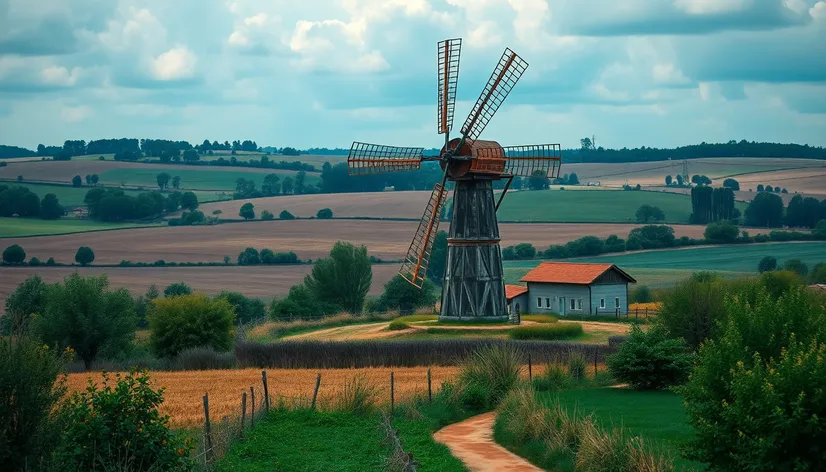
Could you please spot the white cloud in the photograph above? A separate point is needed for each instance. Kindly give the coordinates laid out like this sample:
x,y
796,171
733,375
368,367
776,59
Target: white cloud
x,y
335,45
136,28
257,20
238,39
818,11
710,7
669,74
176,64
60,76
484,35
75,114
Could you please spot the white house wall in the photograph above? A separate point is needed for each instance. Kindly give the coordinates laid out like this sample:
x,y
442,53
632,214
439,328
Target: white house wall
x,y
610,292
590,298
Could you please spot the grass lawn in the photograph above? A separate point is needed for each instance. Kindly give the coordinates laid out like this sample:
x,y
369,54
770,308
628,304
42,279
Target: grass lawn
x,y
199,178
658,417
308,441
592,206
18,227
417,439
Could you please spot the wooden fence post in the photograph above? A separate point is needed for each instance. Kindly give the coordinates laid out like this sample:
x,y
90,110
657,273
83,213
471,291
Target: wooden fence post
x,y
266,390
315,392
208,430
252,409
243,411
429,387
392,393
530,368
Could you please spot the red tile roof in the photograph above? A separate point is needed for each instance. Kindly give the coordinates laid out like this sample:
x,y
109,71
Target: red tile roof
x,y
568,273
512,291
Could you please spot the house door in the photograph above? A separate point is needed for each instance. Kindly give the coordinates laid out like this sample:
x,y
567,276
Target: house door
x,y
561,305
517,309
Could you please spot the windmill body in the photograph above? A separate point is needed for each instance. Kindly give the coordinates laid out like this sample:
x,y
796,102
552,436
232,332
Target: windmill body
x,y
473,287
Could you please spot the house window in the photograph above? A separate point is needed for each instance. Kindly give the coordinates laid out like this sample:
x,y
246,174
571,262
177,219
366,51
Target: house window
x,y
539,302
602,303
573,304
548,303
616,302
578,303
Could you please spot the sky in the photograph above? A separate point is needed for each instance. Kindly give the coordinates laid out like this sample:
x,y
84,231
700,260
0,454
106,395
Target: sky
x,y
324,73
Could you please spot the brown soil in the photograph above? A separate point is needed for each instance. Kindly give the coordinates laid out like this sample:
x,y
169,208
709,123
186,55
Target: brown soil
x,y
310,239
597,327
471,441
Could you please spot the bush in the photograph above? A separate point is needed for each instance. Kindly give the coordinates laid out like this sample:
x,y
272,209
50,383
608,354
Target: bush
x,y
653,236
118,427
246,309
176,289
650,361
797,266
722,232
397,325
756,397
324,214
189,321
577,366
84,256
247,211
767,264
30,387
343,279
358,396
492,370
14,254
249,256
50,261
28,299
82,313
692,309
285,215
547,332
34,262
399,294
267,215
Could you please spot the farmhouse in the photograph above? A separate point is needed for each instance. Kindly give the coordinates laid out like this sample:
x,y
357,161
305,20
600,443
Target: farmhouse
x,y
571,288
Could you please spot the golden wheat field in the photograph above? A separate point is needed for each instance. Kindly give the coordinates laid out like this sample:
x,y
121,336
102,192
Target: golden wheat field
x,y
183,396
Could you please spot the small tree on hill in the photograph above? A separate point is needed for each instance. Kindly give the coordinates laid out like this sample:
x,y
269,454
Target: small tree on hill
x,y
767,264
732,184
163,181
324,214
50,208
84,256
189,201
267,215
668,180
77,181
176,182
797,266
189,321
249,256
94,178
14,254
399,294
285,215
29,298
247,211
649,360
342,279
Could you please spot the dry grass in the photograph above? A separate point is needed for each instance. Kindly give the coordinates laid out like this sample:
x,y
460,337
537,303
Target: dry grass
x,y
184,390
651,306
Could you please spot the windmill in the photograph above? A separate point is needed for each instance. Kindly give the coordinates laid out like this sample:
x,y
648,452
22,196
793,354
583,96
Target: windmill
x,y
473,285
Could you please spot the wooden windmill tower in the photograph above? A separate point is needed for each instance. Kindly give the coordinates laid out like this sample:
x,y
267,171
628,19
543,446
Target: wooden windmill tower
x,y
473,286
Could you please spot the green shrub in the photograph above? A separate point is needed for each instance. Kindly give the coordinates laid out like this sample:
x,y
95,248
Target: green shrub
x,y
767,264
358,396
397,325
324,214
84,256
188,321
267,215
246,309
28,298
649,360
118,427
797,266
399,294
756,397
547,332
30,387
540,318
14,254
494,369
176,289
285,215
692,309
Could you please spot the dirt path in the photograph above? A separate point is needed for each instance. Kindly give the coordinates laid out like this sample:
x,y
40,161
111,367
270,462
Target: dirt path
x,y
348,333
472,442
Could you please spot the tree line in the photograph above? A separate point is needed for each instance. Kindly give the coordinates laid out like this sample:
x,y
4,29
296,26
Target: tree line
x,y
22,202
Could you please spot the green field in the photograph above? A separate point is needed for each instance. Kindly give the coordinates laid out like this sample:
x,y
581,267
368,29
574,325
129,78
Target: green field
x,y
18,227
658,417
592,206
199,178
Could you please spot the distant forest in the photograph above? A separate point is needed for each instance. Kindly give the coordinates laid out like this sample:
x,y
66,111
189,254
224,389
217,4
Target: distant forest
x,y
586,153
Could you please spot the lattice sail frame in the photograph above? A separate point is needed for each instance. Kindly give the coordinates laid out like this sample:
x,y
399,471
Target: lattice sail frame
x,y
504,77
523,161
449,52
365,158
414,267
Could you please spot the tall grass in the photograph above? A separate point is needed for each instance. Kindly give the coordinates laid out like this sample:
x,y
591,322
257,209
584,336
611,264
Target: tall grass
x,y
490,372
397,353
358,396
547,331
555,439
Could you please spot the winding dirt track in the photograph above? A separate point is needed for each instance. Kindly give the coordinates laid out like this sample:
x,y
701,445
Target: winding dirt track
x,y
471,441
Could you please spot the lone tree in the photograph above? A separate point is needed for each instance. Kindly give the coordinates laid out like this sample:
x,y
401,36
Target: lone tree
x,y
190,321
14,254
286,215
77,181
176,289
342,279
668,180
247,211
732,184
767,264
84,255
646,213
176,182
163,181
83,314
324,214
189,201
50,208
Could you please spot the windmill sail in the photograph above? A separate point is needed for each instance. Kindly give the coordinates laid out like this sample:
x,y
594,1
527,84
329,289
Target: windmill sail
x,y
449,51
525,161
507,72
414,267
367,158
